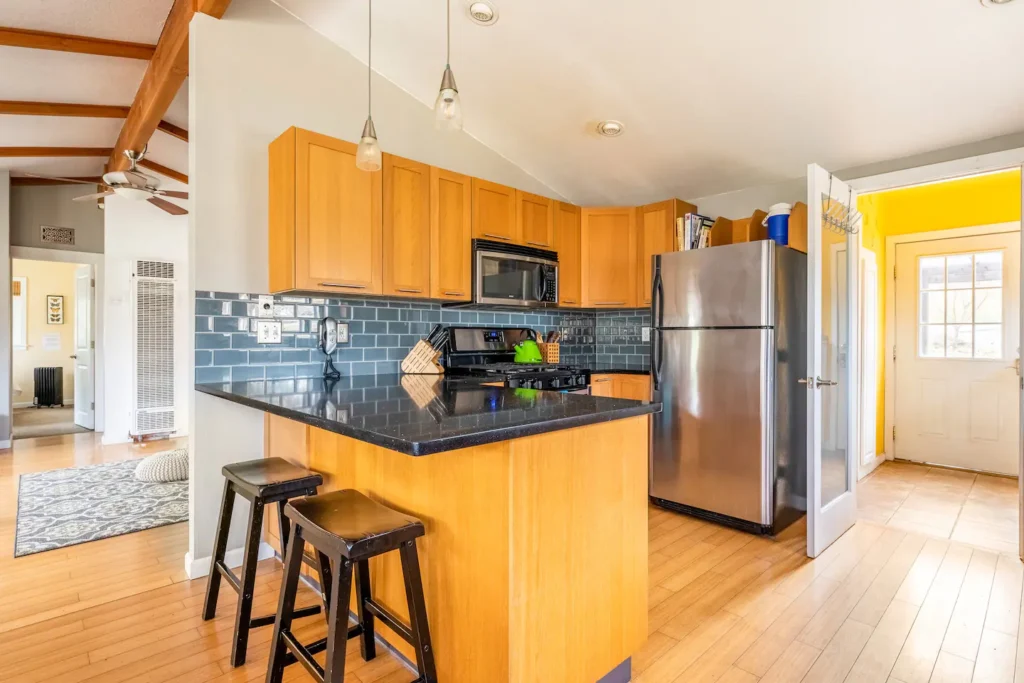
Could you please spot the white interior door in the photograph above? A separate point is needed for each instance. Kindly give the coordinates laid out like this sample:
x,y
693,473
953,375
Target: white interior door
x,y
85,409
832,377
957,340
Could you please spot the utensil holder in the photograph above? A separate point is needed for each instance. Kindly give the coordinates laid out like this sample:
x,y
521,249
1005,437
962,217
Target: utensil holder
x,y
422,360
549,352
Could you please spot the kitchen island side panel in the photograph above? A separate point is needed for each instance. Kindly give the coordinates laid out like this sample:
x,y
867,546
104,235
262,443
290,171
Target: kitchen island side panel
x,y
535,556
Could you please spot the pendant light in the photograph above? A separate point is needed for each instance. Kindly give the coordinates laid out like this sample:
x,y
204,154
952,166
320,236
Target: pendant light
x,y
368,154
448,107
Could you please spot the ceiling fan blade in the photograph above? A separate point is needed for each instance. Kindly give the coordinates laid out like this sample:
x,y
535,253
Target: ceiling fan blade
x,y
172,193
89,197
167,206
98,181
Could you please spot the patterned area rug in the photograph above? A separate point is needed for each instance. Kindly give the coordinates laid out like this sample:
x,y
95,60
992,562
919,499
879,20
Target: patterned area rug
x,y
81,504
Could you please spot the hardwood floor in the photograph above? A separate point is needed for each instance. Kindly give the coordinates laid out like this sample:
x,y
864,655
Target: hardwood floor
x,y
882,604
977,509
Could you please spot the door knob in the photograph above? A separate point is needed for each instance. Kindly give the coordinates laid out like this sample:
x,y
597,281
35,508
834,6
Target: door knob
x,y
75,356
806,380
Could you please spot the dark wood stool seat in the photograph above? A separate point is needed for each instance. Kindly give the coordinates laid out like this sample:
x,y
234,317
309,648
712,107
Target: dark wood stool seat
x,y
349,529
261,482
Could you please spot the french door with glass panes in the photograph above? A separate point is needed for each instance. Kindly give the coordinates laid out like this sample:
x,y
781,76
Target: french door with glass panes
x,y
957,349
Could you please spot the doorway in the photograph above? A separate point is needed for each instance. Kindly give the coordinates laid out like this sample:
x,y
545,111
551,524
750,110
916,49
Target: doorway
x,y
52,323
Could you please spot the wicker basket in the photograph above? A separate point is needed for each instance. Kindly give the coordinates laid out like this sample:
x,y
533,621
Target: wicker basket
x,y
549,352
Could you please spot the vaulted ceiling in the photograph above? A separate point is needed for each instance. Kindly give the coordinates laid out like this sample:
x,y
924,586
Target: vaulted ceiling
x,y
54,76
715,96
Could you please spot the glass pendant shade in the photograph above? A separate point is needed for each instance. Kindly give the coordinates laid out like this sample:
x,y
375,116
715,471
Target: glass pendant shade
x,y
368,156
448,107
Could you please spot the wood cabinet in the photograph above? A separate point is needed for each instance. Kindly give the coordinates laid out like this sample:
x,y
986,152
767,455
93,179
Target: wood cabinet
x,y
608,257
798,227
494,212
656,234
621,385
451,235
567,244
535,216
325,217
406,227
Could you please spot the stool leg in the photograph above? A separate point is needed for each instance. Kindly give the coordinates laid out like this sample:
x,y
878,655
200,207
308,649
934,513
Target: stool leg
x,y
285,606
220,544
243,613
324,565
417,612
366,643
283,525
337,630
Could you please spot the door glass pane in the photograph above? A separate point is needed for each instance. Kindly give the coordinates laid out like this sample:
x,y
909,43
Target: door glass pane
x,y
834,356
988,305
988,269
933,341
933,307
933,273
961,306
988,341
959,343
959,271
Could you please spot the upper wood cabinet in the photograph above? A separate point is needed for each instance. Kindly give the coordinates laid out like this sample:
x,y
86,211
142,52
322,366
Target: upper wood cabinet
x,y
535,216
567,244
325,217
608,257
406,227
451,235
494,212
656,234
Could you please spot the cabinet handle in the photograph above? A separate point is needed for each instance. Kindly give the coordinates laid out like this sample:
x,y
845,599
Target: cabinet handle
x,y
609,303
338,284
498,237
454,293
606,379
568,301
538,244
409,291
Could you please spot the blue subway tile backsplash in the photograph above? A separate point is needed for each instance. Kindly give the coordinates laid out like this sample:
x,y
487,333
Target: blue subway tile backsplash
x,y
381,333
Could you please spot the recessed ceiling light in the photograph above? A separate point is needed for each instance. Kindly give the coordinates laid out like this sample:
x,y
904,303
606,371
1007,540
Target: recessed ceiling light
x,y
993,3
610,129
483,13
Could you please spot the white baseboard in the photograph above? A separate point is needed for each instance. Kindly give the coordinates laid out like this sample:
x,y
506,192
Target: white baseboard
x,y
198,568
30,404
870,467
5,444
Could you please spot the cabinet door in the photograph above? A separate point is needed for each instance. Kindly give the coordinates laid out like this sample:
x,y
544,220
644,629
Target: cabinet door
x,y
535,216
567,244
655,235
338,215
494,212
608,257
406,227
635,387
602,385
451,235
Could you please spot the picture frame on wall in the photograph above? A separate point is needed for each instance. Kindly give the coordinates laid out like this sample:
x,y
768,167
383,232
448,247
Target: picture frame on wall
x,y
54,309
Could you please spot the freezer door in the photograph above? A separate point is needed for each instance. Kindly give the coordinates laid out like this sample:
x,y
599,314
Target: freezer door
x,y
711,443
728,286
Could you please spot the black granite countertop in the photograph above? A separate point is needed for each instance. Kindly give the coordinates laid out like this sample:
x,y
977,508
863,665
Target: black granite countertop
x,y
408,415
613,370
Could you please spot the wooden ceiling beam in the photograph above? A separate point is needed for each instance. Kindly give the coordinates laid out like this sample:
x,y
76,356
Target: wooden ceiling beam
x,y
173,130
55,151
164,171
62,42
20,180
215,8
95,111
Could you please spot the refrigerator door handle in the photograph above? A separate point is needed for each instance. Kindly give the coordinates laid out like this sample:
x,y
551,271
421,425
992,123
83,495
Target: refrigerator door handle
x,y
658,317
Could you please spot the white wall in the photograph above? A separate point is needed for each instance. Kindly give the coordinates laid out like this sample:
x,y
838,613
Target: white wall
x,y
254,73
5,308
33,206
138,230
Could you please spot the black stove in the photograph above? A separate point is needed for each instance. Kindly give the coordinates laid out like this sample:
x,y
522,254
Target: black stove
x,y
487,352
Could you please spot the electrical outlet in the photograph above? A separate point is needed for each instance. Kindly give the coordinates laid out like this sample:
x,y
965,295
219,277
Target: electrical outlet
x,y
266,306
342,333
645,334
268,331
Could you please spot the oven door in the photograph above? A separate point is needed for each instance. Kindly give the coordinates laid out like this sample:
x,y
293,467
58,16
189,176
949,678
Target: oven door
x,y
514,280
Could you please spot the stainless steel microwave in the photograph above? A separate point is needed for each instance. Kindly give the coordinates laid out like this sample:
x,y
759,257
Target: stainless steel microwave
x,y
512,275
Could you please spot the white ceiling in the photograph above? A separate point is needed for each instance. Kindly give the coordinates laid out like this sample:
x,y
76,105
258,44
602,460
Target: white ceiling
x,y
715,96
49,76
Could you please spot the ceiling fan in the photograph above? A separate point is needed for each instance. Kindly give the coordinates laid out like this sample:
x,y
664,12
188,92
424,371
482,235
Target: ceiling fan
x,y
132,184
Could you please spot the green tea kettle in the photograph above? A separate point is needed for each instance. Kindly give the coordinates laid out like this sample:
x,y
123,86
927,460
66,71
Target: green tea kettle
x,y
527,351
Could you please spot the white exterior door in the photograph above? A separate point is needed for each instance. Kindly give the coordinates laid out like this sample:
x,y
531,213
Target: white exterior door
x,y
957,349
832,377
85,413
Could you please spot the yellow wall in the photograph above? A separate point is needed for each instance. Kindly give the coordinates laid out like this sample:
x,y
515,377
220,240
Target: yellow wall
x,y
43,278
979,200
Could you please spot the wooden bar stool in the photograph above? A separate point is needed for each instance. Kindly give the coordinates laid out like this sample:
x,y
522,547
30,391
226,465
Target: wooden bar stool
x,y
349,529
261,482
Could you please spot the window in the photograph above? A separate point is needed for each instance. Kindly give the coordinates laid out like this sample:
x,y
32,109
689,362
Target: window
x,y
961,306
19,295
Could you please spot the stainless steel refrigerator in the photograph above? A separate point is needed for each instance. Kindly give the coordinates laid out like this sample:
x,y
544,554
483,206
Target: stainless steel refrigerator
x,y
728,347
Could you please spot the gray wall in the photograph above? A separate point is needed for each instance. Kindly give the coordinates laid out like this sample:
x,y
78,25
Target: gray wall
x,y
33,206
5,309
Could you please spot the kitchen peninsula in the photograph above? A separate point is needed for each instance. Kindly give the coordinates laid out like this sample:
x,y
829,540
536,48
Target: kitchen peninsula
x,y
535,506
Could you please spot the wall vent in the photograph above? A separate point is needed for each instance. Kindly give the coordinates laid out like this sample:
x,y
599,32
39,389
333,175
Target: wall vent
x,y
51,235
153,347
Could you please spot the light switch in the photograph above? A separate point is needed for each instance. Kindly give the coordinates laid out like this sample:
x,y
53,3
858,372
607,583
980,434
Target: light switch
x,y
268,331
645,334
